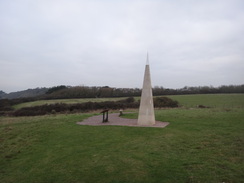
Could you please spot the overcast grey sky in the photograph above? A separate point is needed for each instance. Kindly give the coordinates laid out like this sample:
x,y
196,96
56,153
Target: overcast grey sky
x,y
46,43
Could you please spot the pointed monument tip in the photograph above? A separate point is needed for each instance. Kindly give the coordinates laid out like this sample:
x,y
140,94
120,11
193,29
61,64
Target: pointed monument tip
x,y
147,59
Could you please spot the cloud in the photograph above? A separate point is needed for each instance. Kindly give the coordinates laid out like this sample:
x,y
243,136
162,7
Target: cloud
x,y
47,43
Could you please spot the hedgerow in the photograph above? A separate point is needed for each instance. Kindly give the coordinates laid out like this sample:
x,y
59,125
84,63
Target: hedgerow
x,y
90,106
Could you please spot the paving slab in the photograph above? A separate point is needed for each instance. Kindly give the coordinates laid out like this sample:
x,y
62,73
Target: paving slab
x,y
115,120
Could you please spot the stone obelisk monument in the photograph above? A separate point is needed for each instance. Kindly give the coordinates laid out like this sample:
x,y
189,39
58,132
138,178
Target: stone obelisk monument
x,y
146,110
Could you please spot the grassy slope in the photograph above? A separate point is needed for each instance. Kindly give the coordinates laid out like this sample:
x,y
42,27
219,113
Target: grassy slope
x,y
199,145
67,101
212,100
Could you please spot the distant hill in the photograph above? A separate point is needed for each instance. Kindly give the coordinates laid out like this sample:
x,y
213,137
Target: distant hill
x,y
23,94
2,94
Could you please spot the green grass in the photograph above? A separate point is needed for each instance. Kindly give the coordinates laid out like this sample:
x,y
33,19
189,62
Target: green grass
x,y
210,100
67,101
199,145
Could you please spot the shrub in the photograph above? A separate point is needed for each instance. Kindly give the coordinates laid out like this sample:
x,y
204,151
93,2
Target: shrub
x,y
164,102
5,105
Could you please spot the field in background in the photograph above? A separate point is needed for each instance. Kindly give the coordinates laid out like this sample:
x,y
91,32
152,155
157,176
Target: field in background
x,y
66,101
199,145
210,100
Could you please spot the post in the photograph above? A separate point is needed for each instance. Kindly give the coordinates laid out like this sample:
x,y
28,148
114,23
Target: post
x,y
105,116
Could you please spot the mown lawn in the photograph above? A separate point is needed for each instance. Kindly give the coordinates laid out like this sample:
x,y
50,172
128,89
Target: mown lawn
x,y
199,145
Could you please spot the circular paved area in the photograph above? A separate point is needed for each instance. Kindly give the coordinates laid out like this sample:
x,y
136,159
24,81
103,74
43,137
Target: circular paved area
x,y
114,119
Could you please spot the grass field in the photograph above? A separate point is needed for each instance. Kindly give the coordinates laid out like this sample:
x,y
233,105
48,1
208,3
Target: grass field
x,y
66,101
211,100
199,145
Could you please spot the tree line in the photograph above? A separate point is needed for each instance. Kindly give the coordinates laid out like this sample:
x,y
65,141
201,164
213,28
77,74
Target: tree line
x,y
63,92
199,90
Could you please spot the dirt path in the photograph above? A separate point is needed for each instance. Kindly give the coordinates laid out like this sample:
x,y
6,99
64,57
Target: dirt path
x,y
114,119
